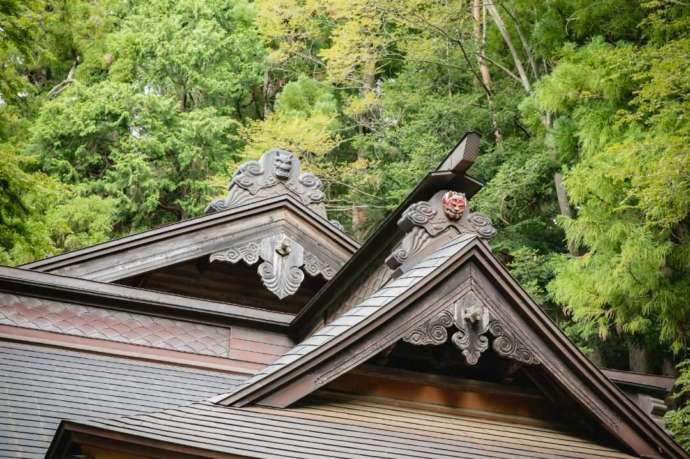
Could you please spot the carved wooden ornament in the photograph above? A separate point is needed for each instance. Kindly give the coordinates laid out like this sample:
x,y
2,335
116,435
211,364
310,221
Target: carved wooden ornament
x,y
282,259
474,322
276,172
424,221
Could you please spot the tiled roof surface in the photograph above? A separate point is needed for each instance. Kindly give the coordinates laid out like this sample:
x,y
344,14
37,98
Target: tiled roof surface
x,y
40,386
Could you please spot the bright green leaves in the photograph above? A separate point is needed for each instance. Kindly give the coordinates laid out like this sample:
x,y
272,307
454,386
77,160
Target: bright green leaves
x,y
152,131
304,121
630,185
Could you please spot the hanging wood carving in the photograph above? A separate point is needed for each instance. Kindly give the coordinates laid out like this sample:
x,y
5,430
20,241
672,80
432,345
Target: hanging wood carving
x,y
474,323
282,262
276,172
425,221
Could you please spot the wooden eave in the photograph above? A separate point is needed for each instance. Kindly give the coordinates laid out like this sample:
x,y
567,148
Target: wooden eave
x,y
638,431
119,297
195,225
71,433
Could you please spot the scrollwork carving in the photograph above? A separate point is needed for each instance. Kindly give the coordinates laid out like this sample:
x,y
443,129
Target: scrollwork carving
x,y
474,322
276,172
445,211
281,259
433,332
507,345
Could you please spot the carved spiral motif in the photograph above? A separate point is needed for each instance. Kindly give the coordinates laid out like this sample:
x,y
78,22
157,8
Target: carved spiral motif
x,y
507,345
482,224
433,332
400,255
419,213
471,345
310,181
316,196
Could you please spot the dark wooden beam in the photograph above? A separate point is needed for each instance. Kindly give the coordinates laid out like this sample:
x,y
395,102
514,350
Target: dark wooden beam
x,y
119,297
449,175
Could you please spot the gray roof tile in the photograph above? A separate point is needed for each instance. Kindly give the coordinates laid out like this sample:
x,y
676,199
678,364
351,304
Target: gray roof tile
x,y
39,386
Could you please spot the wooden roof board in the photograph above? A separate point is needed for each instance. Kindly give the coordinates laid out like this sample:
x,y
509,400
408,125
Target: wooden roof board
x,y
39,386
121,297
347,428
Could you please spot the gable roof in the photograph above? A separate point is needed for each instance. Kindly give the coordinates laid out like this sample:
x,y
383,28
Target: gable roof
x,y
213,231
413,299
338,427
346,325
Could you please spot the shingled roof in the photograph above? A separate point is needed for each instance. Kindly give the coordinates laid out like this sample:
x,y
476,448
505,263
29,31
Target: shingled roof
x,y
346,428
40,386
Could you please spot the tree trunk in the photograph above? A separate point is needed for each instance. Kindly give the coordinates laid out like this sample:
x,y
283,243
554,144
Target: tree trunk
x,y
498,20
562,195
638,358
479,16
359,219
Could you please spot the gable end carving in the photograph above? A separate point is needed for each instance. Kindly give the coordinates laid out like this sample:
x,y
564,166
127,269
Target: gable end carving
x,y
283,262
474,322
276,172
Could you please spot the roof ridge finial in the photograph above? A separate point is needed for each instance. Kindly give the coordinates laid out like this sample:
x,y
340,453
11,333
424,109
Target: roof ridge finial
x,y
428,224
276,172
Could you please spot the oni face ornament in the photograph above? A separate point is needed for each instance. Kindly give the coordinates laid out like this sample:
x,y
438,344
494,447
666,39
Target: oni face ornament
x,y
283,165
454,204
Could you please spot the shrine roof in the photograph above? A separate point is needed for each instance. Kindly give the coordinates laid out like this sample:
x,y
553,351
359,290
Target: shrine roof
x,y
342,428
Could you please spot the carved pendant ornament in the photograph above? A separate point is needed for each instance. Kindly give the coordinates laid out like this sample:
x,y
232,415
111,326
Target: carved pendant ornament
x,y
424,221
474,324
276,172
282,261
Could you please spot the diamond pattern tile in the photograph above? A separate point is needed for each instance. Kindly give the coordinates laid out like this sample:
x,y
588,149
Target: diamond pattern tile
x,y
123,327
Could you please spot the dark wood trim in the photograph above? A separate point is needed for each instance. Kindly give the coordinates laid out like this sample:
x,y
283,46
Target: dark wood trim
x,y
129,351
70,434
450,174
119,297
194,225
659,384
582,380
644,435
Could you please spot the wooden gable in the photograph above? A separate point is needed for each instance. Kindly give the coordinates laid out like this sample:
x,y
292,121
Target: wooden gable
x,y
268,244
452,291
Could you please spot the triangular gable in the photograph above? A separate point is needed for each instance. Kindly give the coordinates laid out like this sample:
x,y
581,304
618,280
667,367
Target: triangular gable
x,y
271,229
459,284
166,245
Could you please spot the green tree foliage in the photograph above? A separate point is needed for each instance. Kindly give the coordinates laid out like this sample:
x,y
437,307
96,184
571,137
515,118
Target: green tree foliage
x,y
156,112
118,115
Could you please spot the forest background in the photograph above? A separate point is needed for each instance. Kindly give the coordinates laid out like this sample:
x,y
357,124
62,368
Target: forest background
x,y
120,115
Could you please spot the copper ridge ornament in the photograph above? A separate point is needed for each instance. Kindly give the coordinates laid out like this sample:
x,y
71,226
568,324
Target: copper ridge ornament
x,y
454,204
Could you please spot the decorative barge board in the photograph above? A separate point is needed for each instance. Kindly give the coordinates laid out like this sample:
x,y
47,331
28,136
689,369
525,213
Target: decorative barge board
x,y
366,271
460,287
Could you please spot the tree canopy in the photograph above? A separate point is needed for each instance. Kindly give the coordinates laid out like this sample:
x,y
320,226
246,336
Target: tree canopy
x,y
120,115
